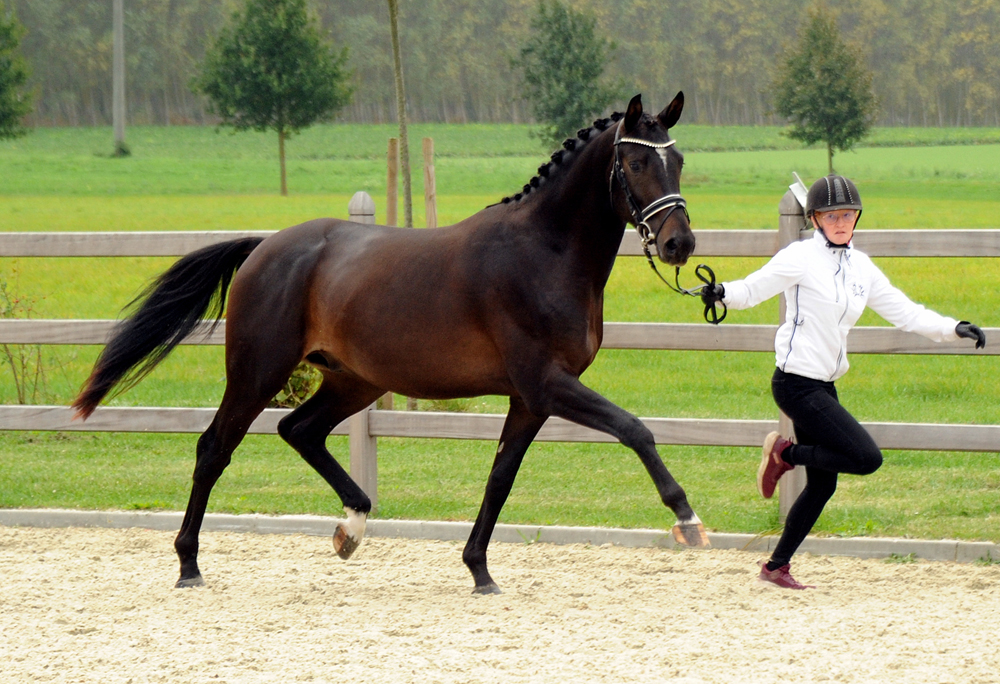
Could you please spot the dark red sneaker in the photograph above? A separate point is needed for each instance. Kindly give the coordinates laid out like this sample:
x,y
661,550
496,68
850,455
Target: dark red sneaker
x,y
781,577
772,466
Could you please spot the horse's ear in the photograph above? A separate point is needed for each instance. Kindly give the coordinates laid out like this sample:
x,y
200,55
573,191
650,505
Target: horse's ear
x,y
633,113
672,112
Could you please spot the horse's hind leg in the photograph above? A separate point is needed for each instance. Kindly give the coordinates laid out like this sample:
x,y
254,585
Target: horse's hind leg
x,y
518,432
214,452
306,429
254,374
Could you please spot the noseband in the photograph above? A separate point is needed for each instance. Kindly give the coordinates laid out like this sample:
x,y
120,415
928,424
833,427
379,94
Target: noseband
x,y
640,217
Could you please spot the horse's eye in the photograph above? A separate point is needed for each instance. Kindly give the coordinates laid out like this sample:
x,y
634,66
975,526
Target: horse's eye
x,y
635,166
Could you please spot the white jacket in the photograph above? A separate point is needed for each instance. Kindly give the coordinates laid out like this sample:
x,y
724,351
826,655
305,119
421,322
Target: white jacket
x,y
826,289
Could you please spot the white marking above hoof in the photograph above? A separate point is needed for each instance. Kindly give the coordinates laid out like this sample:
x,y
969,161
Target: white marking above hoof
x,y
347,537
355,524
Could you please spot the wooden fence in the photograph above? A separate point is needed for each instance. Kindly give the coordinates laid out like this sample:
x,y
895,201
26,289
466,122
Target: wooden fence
x,y
367,426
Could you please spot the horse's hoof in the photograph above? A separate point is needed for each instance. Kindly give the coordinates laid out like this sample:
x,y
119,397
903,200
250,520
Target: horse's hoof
x,y
343,543
188,582
487,589
691,534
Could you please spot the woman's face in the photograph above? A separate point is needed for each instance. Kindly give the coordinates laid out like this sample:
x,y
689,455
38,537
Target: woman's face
x,y
837,225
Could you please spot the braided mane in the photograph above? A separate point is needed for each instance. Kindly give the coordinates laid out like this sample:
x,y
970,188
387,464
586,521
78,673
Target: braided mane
x,y
560,158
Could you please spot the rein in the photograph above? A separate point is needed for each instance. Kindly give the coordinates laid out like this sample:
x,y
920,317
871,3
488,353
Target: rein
x,y
709,281
647,236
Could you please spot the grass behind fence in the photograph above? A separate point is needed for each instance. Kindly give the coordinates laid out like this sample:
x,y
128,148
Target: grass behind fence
x,y
491,161
915,494
194,179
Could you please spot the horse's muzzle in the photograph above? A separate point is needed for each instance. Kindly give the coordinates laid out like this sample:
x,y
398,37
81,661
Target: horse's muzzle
x,y
676,249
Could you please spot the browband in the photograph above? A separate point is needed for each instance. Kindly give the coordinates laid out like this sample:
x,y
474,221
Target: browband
x,y
638,141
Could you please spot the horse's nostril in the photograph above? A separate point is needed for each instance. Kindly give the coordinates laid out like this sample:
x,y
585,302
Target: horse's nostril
x,y
670,245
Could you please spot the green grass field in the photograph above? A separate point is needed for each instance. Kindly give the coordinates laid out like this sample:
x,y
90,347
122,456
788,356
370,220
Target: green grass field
x,y
197,179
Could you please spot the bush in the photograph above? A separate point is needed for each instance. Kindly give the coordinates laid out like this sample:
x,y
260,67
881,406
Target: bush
x,y
24,360
300,386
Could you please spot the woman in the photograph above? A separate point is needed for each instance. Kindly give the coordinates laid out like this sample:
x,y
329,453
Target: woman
x,y
827,285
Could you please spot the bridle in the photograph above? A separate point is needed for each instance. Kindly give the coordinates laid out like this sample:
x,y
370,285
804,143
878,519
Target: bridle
x,y
647,236
640,217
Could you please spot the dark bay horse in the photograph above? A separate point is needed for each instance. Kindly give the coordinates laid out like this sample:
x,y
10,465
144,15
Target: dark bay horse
x,y
507,302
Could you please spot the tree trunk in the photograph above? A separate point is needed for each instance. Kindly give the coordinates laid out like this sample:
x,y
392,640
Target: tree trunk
x,y
404,145
829,156
118,78
281,158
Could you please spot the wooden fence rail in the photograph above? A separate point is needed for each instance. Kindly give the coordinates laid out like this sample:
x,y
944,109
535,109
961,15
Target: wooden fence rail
x,y
434,425
364,428
651,336
764,243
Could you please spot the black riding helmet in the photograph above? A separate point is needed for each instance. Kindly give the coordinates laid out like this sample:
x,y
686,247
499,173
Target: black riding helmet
x,y
831,193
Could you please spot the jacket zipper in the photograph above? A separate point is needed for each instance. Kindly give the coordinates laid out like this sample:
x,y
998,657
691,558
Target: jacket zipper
x,y
847,303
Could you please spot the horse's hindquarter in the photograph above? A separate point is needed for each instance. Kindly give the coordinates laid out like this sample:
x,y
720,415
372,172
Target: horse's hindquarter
x,y
395,307
266,311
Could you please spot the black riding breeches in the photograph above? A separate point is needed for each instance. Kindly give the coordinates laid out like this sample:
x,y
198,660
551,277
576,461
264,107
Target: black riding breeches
x,y
829,441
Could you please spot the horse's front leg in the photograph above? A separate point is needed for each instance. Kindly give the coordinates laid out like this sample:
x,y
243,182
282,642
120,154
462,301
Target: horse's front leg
x,y
518,432
565,396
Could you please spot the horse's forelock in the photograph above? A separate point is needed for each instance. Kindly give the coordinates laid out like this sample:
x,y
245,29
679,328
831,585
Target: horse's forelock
x,y
650,124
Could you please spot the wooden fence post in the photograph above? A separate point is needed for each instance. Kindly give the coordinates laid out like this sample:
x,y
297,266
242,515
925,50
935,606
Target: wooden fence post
x,y
392,184
361,208
364,454
791,222
392,219
430,211
363,447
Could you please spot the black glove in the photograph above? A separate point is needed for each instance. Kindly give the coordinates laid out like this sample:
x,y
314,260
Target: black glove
x,y
710,294
972,332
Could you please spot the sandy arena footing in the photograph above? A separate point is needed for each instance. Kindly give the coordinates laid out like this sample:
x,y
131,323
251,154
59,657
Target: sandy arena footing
x,y
98,605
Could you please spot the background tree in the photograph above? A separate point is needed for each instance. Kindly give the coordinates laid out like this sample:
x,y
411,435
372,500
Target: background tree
x,y
934,63
270,69
15,101
562,63
823,89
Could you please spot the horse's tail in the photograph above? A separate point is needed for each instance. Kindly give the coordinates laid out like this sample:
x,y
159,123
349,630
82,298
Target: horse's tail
x,y
166,312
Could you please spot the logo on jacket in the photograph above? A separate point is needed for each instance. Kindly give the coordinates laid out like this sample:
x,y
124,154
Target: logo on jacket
x,y
858,290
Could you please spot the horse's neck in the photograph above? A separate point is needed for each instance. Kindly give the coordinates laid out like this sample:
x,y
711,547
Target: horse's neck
x,y
586,219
